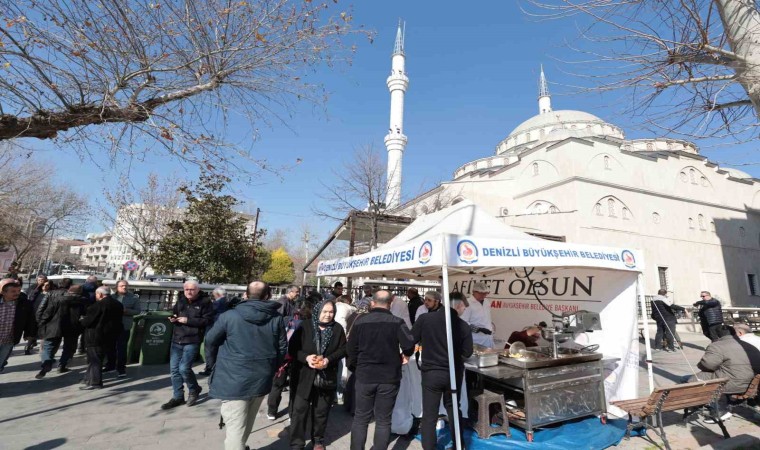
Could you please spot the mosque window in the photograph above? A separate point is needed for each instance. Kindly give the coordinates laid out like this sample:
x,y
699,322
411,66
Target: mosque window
x,y
701,221
572,127
423,209
598,209
553,210
611,207
535,169
669,145
704,182
650,146
693,176
691,223
527,136
626,214
683,176
655,217
607,162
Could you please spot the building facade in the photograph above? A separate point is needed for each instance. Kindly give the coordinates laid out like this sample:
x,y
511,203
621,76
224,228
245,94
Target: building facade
x,y
570,175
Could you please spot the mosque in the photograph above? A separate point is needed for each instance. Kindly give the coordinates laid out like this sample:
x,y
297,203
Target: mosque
x,y
569,175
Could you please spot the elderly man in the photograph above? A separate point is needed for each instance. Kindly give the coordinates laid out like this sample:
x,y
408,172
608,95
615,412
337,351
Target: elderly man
x,y
374,346
746,335
478,315
193,312
221,305
116,356
16,318
729,357
252,345
102,326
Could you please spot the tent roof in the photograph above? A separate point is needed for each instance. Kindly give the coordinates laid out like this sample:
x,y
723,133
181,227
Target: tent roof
x,y
465,219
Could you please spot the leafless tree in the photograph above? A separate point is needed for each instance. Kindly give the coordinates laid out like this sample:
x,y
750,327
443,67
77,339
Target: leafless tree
x,y
692,66
359,185
139,216
33,206
162,74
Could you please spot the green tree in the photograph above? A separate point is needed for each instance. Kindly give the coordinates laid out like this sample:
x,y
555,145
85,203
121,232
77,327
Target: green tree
x,y
210,241
280,270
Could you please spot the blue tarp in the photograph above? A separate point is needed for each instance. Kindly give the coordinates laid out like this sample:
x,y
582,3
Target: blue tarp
x,y
587,434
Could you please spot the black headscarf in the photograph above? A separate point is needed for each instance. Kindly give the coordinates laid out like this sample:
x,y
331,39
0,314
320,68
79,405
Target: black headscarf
x,y
322,337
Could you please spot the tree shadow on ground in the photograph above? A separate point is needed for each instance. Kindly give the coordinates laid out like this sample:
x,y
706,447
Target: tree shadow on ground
x,y
47,445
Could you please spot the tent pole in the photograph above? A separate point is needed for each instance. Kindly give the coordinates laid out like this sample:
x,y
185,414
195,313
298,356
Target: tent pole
x,y
318,279
457,437
645,321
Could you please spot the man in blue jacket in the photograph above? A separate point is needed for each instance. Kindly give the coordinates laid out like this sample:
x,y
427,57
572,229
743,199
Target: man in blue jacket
x,y
252,345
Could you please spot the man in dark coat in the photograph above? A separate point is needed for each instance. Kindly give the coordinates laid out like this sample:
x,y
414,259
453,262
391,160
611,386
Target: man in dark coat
x,y
35,295
430,332
88,292
16,318
664,315
415,301
373,356
252,345
73,307
193,312
710,316
50,318
102,326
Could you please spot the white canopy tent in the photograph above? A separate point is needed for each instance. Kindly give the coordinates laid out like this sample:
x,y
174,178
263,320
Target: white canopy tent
x,y
463,241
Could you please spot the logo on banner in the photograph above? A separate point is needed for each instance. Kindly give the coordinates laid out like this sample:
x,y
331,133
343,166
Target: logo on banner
x,y
628,259
426,252
467,251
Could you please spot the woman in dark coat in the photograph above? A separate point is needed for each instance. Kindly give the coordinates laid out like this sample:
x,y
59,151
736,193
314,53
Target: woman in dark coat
x,y
316,348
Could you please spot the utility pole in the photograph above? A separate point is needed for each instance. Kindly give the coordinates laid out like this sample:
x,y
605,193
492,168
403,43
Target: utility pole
x,y
253,244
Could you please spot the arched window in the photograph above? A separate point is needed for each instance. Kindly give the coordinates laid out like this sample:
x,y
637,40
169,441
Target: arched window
x,y
598,209
553,210
607,162
650,146
423,209
535,169
691,223
742,232
626,214
701,221
655,217
538,208
683,176
527,136
704,182
611,207
693,176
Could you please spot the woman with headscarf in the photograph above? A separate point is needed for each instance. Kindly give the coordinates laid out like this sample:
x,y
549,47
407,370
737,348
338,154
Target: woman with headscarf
x,y
316,347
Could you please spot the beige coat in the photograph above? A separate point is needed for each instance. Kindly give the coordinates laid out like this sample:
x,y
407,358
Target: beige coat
x,y
729,357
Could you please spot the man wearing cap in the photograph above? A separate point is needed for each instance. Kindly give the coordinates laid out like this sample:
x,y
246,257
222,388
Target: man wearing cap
x,y
478,315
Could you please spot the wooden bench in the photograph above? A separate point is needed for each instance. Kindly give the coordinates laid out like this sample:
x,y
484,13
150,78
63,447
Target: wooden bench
x,y
749,394
672,398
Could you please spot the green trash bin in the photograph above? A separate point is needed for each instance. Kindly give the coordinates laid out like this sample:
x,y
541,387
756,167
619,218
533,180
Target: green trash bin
x,y
135,338
157,338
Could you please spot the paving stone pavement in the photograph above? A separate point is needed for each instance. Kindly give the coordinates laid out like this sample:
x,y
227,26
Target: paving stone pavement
x,y
53,413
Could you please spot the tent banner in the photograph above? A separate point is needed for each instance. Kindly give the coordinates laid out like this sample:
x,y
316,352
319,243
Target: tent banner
x,y
413,255
472,251
513,306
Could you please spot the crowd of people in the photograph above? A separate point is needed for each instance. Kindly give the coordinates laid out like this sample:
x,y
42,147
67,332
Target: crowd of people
x,y
325,349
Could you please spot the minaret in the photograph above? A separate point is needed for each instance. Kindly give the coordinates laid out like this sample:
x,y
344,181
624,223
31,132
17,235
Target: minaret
x,y
395,141
544,98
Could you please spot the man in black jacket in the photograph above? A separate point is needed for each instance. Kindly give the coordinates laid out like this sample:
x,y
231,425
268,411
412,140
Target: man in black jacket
x,y
374,355
710,316
16,318
415,301
193,312
102,326
35,295
50,318
430,332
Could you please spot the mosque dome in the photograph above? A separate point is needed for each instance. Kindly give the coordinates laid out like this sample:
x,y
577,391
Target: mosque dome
x,y
551,125
736,173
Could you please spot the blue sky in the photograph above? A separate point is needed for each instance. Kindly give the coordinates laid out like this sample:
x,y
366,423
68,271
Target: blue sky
x,y
473,78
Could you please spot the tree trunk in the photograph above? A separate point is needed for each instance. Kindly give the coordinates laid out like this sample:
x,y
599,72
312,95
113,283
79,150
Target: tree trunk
x,y
741,24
